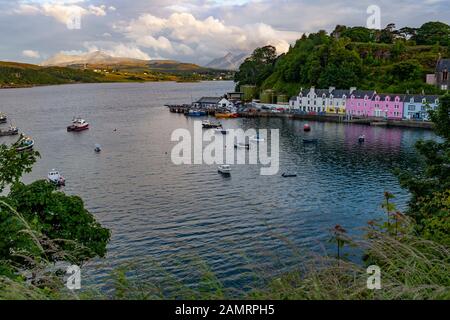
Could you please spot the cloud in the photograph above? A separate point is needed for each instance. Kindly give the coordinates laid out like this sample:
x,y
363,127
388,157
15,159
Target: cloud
x,y
128,50
184,34
31,54
62,11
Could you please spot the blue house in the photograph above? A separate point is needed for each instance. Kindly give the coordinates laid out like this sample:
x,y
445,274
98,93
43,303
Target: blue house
x,y
415,107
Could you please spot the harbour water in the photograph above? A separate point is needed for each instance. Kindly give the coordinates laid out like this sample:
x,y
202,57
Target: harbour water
x,y
156,209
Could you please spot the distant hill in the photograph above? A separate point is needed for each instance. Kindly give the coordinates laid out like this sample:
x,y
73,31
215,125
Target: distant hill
x,y
101,60
228,62
14,74
99,67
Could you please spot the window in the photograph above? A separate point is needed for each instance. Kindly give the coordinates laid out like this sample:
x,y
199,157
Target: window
x,y
445,75
411,107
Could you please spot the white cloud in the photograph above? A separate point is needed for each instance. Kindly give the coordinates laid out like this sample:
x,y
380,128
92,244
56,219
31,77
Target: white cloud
x,y
120,50
184,34
31,54
62,11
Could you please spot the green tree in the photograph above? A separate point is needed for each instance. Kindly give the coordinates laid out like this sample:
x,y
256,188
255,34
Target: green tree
x,y
430,187
433,32
36,221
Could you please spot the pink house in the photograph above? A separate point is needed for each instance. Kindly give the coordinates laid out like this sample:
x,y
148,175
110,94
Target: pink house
x,y
370,104
359,103
387,106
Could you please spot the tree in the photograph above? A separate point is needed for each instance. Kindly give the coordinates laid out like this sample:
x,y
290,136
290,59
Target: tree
x,y
433,32
14,164
430,187
257,67
38,222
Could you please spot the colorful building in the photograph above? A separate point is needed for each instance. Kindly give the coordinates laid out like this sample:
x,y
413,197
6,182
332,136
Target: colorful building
x,y
387,106
359,103
415,107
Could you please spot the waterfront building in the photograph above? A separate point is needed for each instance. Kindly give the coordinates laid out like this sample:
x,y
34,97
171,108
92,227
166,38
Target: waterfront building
x,y
336,100
213,103
387,106
415,107
359,103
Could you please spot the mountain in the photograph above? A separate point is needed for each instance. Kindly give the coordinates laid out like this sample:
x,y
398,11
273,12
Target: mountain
x,y
96,58
229,62
101,60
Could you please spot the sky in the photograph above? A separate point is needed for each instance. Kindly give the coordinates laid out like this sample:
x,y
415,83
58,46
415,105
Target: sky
x,y
190,31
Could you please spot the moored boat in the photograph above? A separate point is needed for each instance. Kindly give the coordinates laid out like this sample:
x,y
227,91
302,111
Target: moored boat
x,y
55,178
24,143
196,113
98,148
224,169
211,125
313,140
289,175
3,118
306,128
12,131
78,124
241,145
361,138
226,115
256,138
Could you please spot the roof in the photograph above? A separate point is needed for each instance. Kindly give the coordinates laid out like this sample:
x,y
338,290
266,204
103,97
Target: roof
x,y
340,93
360,94
211,100
420,97
443,64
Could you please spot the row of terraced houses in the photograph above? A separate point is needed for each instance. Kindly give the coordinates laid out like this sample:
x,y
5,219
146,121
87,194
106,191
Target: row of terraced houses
x,y
363,103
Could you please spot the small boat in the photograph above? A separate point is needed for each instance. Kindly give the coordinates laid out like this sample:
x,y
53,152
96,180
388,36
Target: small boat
x,y
3,118
221,130
306,128
241,145
98,148
196,113
78,124
256,138
361,138
211,125
55,178
288,175
224,169
310,140
24,143
12,131
226,115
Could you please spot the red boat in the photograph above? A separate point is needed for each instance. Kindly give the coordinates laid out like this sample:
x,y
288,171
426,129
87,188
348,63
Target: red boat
x,y
78,124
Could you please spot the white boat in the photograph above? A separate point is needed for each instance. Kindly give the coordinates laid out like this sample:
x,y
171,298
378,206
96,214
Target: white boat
x,y
224,169
241,145
3,117
361,138
78,124
256,138
98,148
24,143
55,178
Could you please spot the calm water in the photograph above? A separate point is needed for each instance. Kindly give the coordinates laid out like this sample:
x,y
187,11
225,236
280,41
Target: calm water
x,y
156,209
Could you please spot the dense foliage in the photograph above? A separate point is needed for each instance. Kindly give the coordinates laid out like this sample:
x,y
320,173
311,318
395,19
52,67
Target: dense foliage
x,y
387,60
430,187
39,223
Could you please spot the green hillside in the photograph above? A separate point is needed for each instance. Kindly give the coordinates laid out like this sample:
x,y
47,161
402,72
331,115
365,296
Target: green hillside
x,y
387,60
14,74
